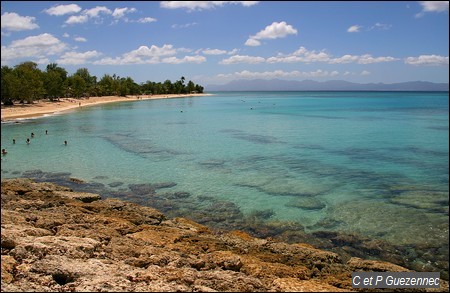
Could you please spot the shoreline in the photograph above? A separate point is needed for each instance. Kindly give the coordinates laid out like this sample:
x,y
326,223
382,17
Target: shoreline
x,y
55,239
43,107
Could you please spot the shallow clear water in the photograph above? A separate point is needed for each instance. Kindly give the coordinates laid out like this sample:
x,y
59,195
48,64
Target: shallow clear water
x,y
370,163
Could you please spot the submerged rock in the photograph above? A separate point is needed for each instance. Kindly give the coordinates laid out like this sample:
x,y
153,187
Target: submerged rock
x,y
142,189
115,184
306,203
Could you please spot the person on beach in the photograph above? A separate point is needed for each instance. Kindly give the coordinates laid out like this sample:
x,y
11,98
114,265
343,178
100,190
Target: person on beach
x,y
46,131
65,142
14,141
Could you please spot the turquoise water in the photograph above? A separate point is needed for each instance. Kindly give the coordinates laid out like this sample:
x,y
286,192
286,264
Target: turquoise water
x,y
370,164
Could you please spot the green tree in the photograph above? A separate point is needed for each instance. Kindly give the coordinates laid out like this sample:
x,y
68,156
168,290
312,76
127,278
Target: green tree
x,y
76,86
106,85
199,89
89,80
190,87
61,71
26,82
133,88
168,87
9,85
31,82
54,79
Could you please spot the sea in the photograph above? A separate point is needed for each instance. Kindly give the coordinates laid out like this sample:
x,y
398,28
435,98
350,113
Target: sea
x,y
364,174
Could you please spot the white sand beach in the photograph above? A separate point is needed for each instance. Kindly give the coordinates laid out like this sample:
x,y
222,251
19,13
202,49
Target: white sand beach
x,y
42,107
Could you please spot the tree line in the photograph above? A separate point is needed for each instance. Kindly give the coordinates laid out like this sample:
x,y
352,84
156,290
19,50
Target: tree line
x,y
26,83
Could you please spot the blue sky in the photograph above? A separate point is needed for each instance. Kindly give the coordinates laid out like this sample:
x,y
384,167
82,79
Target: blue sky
x,y
214,42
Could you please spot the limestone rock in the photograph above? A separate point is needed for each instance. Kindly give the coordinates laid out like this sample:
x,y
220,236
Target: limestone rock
x,y
83,196
56,240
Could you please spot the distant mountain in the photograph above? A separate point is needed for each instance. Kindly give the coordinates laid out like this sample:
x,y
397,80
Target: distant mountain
x,y
331,85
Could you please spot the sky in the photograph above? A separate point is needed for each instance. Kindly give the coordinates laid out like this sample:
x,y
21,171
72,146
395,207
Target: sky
x,y
215,42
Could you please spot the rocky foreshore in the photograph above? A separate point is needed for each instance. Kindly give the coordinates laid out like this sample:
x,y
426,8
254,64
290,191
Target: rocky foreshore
x,y
55,239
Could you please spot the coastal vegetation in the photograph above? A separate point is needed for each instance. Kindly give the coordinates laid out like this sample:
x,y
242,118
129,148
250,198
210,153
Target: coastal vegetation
x,y
26,83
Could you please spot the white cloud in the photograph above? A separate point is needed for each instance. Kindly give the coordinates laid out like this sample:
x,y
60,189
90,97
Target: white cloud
x,y
77,19
252,43
201,5
344,59
368,59
80,39
185,50
146,20
301,55
14,22
32,47
361,59
214,52
74,58
242,59
187,59
96,11
66,35
278,74
306,56
152,55
427,60
365,72
354,29
184,25
274,31
380,26
376,26
63,9
120,12
124,61
153,51
89,13
432,6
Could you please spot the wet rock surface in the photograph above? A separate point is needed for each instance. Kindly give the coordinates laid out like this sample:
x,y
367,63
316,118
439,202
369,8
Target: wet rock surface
x,y
55,239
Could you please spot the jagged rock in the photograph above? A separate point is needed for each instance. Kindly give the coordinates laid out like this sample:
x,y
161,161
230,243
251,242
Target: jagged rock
x,y
52,242
359,264
76,180
83,196
8,264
